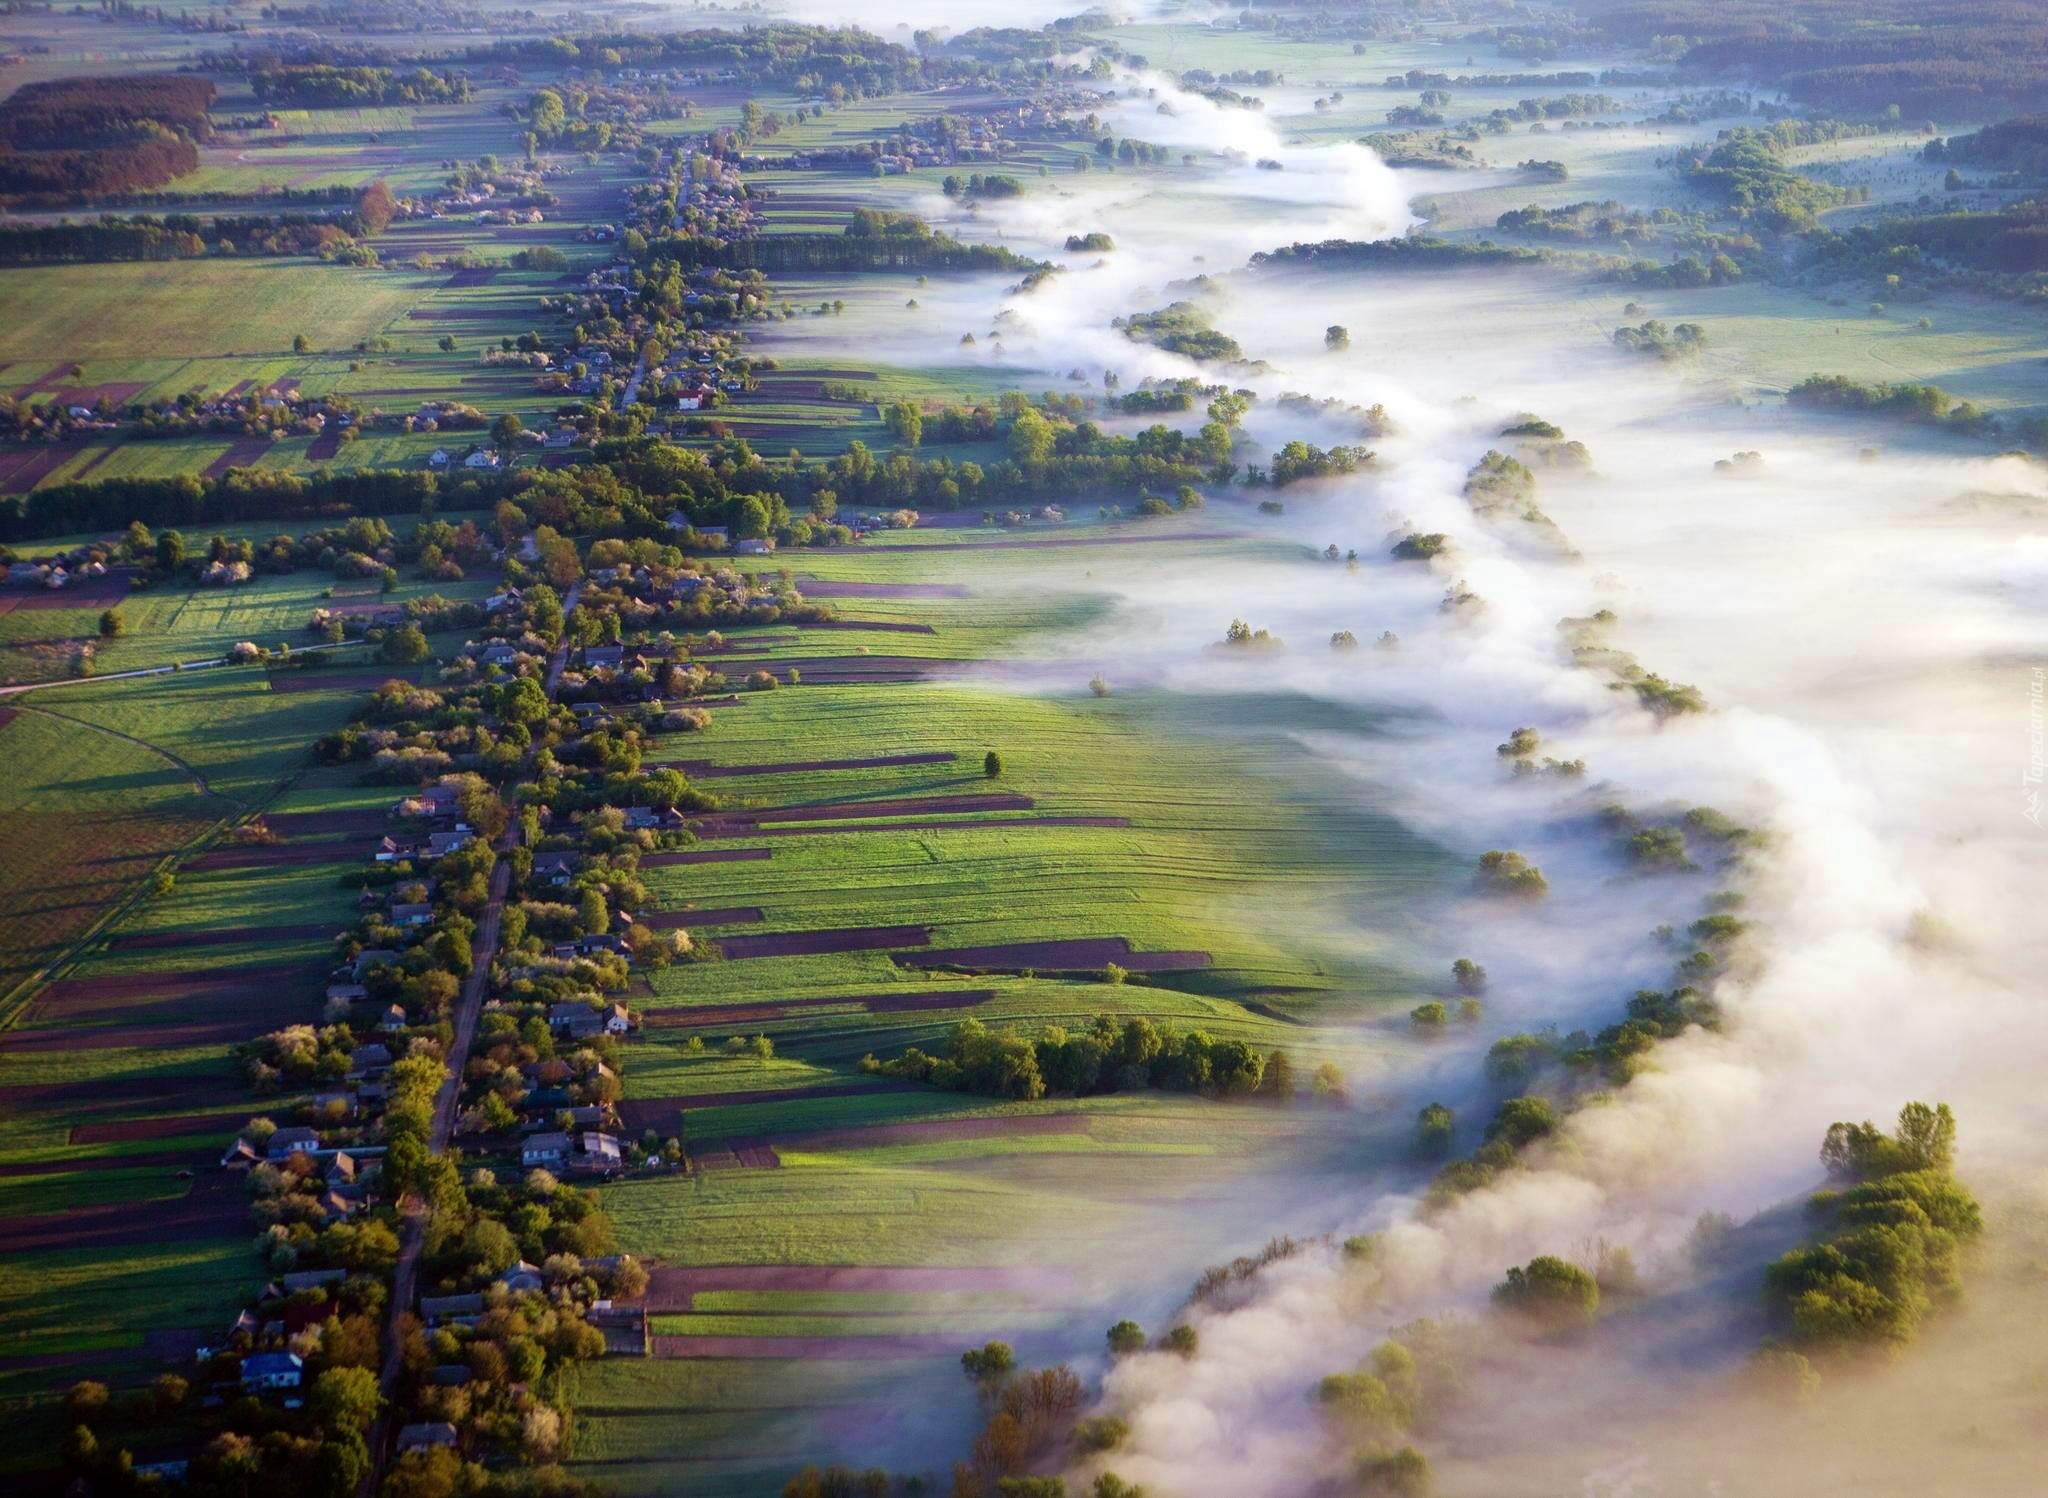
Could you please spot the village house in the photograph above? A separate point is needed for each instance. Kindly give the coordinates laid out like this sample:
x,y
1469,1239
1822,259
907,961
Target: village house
x,y
713,535
426,1436
366,1059
554,868
603,657
436,1310
411,915
598,1154
371,958
264,1372
499,654
347,993
438,458
522,1278
575,1021
755,546
394,1020
310,1279
483,457
546,1150
431,801
441,844
240,1156
288,1142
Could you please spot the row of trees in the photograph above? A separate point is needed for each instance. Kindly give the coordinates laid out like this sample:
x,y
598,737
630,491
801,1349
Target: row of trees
x,y
1107,1057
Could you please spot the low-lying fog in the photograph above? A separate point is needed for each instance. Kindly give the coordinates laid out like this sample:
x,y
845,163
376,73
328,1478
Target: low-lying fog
x,y
1863,626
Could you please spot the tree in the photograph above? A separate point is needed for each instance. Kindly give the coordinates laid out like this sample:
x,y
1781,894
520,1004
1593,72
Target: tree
x,y
506,430
86,1400
905,422
425,1474
988,1365
594,917
1336,337
376,207
111,624
345,1400
170,551
1469,976
1434,1126
1031,439
1550,1293
301,343
404,646
992,765
446,343
1126,1337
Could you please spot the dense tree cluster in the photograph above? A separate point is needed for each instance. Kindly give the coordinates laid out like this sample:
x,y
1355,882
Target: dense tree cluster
x,y
1982,56
1893,1238
1106,1057
1921,405
322,86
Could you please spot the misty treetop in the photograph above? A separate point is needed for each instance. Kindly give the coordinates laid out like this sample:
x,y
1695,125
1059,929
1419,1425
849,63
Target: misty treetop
x,y
1892,1239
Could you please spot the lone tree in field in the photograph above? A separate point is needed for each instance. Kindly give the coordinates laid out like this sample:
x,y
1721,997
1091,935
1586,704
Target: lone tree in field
x,y
506,429
301,344
110,624
1336,337
992,765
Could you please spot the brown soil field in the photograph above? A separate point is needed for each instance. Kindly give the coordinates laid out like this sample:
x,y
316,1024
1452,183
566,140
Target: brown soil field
x,y
929,824
241,453
686,856
130,1130
731,915
75,998
274,855
880,1003
94,593
324,823
670,1288
226,936
879,626
1036,542
22,468
170,1160
1088,954
317,680
811,1349
699,769
661,1113
85,469
900,806
29,1041
818,587
815,943
214,1206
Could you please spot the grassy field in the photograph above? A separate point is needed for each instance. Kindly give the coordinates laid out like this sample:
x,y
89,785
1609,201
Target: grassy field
x,y
1223,822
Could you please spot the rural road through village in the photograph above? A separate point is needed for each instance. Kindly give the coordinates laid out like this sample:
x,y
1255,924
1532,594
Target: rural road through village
x,y
405,1278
